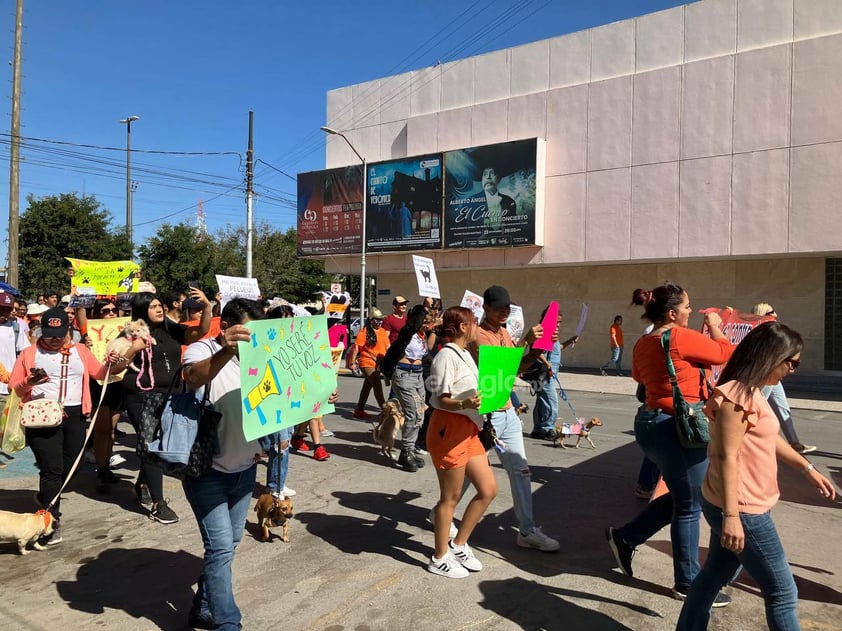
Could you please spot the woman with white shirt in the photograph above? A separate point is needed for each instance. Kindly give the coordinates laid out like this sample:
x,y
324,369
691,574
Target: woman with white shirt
x,y
454,445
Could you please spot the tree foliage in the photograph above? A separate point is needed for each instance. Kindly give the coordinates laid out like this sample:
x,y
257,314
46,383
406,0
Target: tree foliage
x,y
59,226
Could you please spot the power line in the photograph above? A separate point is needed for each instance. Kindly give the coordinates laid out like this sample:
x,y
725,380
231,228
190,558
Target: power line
x,y
123,149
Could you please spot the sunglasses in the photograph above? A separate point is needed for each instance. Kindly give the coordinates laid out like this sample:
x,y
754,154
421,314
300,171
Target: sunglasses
x,y
376,321
108,310
793,363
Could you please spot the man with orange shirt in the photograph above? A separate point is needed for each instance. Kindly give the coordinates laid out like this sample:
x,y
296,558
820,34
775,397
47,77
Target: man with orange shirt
x,y
616,334
491,331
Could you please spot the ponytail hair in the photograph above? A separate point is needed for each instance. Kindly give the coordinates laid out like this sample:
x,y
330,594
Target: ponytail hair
x,y
658,302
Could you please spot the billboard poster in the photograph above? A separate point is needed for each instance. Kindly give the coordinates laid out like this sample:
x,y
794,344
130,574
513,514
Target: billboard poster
x,y
330,211
493,196
404,205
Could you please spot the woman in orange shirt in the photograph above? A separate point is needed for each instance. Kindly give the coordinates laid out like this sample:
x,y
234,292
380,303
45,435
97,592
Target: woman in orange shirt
x,y
367,353
741,484
683,469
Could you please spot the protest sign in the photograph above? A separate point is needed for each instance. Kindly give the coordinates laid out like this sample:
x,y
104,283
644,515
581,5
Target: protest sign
x,y
497,371
231,287
735,326
549,324
514,323
583,317
287,374
106,278
473,302
425,274
101,332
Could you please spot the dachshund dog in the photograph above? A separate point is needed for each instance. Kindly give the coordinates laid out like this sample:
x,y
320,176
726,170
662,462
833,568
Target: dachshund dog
x,y
134,330
580,429
273,511
25,528
388,427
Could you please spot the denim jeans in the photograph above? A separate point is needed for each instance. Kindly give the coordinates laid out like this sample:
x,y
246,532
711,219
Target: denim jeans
x,y
780,406
220,502
648,475
545,413
409,390
764,559
616,357
278,464
683,471
510,431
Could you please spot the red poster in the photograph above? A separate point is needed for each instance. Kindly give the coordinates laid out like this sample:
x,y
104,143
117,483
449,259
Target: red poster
x,y
735,325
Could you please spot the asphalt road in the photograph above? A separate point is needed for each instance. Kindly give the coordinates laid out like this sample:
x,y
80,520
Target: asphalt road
x,y
360,543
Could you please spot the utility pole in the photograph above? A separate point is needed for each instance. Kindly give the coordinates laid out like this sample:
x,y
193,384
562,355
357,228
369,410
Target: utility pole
x,y
14,153
249,196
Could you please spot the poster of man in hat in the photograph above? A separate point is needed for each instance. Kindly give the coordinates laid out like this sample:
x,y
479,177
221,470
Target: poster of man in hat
x,y
490,195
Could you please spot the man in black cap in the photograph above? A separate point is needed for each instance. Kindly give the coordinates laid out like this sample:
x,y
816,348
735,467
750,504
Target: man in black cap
x,y
492,331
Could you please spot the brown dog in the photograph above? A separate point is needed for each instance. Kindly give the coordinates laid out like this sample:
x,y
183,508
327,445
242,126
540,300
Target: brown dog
x,y
25,528
388,427
273,511
580,429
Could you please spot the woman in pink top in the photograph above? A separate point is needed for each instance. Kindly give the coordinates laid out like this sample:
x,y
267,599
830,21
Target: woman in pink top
x,y
741,485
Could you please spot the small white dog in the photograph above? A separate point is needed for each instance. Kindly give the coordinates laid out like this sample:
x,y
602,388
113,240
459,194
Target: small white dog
x,y
25,528
134,330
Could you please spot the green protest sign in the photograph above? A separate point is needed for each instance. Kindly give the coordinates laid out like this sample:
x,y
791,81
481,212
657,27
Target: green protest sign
x,y
497,371
286,372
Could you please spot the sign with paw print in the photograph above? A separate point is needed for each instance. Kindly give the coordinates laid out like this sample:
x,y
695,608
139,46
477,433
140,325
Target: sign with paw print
x,y
287,374
103,278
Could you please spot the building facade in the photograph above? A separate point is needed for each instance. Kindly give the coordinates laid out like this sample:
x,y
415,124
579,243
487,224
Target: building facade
x,y
700,145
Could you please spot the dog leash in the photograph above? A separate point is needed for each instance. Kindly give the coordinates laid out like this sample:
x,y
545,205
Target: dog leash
x,y
564,395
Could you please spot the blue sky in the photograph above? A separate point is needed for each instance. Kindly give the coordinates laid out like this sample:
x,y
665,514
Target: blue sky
x,y
191,69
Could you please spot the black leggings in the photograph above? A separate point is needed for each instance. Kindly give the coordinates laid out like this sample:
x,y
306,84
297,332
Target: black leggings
x,y
55,450
150,473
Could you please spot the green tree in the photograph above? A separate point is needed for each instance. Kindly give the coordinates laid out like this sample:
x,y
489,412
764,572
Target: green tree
x,y
177,254
59,226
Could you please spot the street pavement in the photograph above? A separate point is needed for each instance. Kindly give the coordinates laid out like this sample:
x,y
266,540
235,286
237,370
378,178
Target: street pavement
x,y
359,542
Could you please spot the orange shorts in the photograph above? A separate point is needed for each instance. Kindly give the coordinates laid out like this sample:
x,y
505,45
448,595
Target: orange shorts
x,y
452,440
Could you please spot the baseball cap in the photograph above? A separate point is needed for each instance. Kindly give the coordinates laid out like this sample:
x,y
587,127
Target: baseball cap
x,y
192,305
36,309
54,323
375,313
399,300
6,300
496,296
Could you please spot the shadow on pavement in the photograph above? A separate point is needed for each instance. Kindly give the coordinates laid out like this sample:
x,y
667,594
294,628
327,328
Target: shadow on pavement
x,y
143,582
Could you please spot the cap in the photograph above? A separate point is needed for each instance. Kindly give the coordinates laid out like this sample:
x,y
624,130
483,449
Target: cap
x,y
6,300
399,300
66,299
54,323
192,305
375,313
496,296
36,309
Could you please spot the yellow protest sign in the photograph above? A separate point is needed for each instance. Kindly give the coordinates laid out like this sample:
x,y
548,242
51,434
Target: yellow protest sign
x,y
104,278
102,331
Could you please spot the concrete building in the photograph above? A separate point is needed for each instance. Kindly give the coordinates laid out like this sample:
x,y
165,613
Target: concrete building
x,y
701,144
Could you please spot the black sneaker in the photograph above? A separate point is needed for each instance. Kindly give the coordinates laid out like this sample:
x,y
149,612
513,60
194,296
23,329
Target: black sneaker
x,y
53,539
407,461
142,493
547,434
722,599
200,621
162,513
419,459
623,553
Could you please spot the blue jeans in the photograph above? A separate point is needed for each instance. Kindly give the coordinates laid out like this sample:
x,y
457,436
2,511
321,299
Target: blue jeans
x,y
220,502
763,557
616,357
780,406
648,475
545,413
510,431
683,471
278,465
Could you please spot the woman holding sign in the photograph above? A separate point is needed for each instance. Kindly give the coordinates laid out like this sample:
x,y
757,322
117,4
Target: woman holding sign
x,y
454,445
157,362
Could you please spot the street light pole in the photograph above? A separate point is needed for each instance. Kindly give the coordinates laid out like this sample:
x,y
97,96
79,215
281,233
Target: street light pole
x,y
333,132
128,123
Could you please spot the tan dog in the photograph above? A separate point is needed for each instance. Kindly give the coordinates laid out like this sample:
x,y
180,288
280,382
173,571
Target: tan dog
x,y
580,429
25,528
134,330
273,511
388,427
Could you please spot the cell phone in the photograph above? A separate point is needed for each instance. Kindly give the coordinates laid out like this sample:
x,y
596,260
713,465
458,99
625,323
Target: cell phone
x,y
193,284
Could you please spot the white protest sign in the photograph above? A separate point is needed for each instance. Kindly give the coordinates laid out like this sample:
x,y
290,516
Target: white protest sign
x,y
582,319
231,287
514,324
425,274
473,302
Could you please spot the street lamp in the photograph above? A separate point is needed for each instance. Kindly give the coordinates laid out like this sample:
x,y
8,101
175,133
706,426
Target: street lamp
x,y
333,132
128,123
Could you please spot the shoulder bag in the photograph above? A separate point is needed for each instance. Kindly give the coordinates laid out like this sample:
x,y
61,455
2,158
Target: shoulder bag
x,y
690,421
47,413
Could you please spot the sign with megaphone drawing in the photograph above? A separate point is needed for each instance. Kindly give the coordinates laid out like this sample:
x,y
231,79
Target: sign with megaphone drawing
x,y
287,374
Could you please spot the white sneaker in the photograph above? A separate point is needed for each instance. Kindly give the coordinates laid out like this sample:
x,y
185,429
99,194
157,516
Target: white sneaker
x,y
431,519
448,566
327,433
465,556
537,540
116,460
288,492
90,457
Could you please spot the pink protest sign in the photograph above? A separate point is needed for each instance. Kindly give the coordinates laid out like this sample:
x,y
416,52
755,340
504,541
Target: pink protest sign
x,y
549,324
